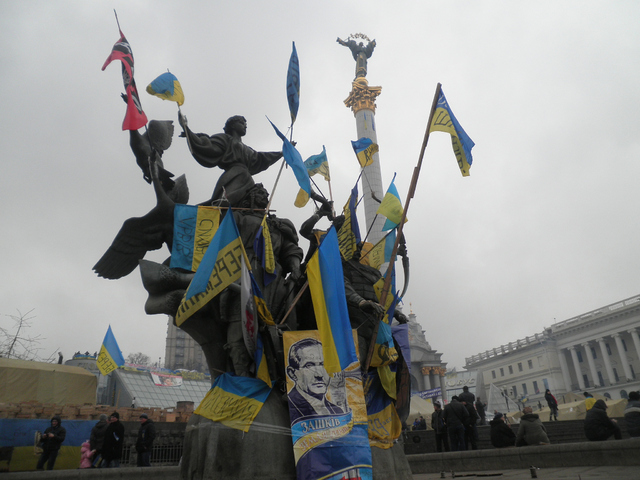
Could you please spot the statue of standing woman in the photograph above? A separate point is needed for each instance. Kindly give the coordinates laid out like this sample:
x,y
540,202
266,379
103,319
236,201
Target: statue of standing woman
x,y
360,53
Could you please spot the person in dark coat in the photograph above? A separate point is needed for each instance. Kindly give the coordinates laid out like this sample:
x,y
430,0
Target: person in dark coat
x,y
632,414
501,434
52,439
96,440
553,405
456,416
481,409
144,443
597,424
439,427
466,396
113,442
470,428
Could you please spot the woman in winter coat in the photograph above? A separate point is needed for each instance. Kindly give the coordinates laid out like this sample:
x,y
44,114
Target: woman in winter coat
x,y
597,424
97,438
531,430
501,434
553,405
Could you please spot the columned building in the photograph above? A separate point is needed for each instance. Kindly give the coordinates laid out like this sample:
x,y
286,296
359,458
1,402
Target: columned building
x,y
427,369
598,351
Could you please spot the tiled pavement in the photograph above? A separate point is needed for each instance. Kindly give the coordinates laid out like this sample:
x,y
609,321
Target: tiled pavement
x,y
569,473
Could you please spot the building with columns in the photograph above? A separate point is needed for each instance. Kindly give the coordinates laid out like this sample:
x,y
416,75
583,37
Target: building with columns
x,y
427,369
598,351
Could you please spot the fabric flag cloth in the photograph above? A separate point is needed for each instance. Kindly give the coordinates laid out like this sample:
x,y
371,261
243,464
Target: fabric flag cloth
x,y
349,234
328,418
253,306
193,229
221,265
293,84
445,121
110,356
326,283
263,248
401,338
294,160
234,401
364,148
167,87
318,164
391,207
384,423
135,118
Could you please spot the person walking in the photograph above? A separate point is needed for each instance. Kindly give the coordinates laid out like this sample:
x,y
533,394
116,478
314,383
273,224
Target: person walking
x,y
144,443
632,414
597,424
51,441
440,428
113,442
553,405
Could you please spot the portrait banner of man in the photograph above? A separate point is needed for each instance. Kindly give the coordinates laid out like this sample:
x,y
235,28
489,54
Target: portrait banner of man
x,y
328,413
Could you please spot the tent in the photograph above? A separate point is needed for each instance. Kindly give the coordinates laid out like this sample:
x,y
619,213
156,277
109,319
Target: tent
x,y
24,381
420,406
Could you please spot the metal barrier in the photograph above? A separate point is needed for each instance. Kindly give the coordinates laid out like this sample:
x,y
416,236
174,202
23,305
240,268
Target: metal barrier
x,y
161,455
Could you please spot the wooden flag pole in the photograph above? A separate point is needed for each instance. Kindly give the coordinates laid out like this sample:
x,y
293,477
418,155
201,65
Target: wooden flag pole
x,y
410,194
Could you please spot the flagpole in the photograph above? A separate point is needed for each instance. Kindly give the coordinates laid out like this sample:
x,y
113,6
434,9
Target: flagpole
x,y
410,194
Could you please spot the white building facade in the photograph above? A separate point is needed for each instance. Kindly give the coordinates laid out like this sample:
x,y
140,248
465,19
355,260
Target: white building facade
x,y
598,352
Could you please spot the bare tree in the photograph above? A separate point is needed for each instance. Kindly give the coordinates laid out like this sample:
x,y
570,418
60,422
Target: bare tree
x,y
15,342
138,358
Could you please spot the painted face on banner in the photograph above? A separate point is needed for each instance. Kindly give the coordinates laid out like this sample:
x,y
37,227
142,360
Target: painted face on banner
x,y
311,377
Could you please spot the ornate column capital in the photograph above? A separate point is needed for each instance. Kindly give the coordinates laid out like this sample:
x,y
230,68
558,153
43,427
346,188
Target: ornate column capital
x,y
615,335
426,370
632,331
572,348
585,345
362,96
600,340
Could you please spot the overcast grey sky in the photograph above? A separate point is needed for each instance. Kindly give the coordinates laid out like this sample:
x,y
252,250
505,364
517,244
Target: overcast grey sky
x,y
544,229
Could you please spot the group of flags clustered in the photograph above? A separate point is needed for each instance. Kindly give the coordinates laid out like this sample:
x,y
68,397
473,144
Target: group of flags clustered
x,y
324,270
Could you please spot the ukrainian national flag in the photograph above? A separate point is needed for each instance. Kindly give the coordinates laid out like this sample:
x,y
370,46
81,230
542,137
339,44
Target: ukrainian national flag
x,y
326,283
349,234
219,268
193,230
391,207
294,160
110,356
364,148
167,87
318,164
234,401
445,121
264,251
384,423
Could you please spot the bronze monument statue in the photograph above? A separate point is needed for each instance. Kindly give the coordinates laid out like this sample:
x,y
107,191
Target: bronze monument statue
x,y
360,51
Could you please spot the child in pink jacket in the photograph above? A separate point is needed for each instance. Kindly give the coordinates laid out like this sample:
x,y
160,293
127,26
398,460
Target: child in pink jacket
x,y
85,455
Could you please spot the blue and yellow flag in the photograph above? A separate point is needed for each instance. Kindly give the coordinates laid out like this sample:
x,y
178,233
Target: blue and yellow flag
x,y
294,160
219,268
110,356
349,234
391,207
293,84
384,423
445,121
263,248
326,283
193,230
318,164
167,87
234,401
364,148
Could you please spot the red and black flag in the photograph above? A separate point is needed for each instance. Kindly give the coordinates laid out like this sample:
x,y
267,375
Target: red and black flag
x,y
135,117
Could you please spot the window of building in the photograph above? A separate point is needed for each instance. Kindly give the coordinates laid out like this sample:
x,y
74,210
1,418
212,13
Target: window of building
x,y
510,370
624,344
586,380
515,391
493,374
530,363
633,373
579,355
593,353
546,383
608,348
615,375
601,379
608,395
502,372
524,388
535,387
520,367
